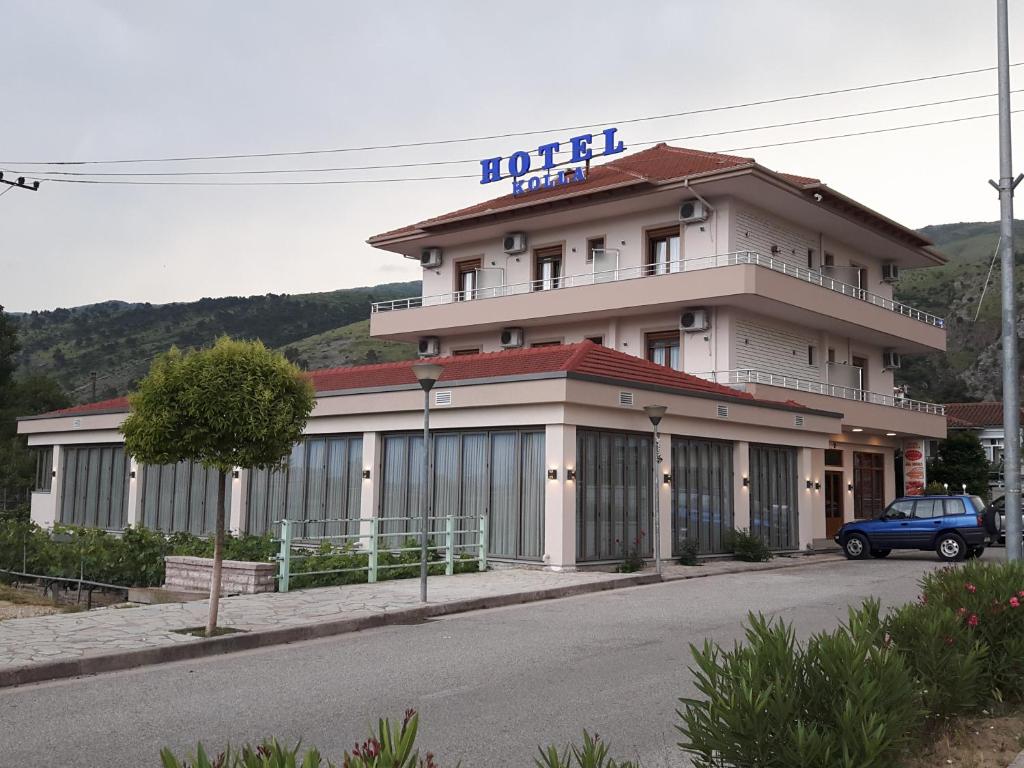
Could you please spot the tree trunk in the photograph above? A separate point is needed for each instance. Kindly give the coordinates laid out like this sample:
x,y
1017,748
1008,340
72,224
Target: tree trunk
x,y
218,556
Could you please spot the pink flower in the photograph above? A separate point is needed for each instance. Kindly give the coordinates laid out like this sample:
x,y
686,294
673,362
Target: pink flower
x,y
972,620
1021,593
970,587
1014,602
961,611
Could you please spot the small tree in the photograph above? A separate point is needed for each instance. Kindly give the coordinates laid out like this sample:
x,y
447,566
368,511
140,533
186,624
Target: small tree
x,y
235,405
961,459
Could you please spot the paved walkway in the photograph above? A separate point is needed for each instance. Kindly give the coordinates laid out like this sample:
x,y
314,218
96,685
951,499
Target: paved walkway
x,y
118,632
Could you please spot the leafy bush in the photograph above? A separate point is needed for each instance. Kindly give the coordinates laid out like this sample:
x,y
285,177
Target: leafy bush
x,y
948,661
689,549
632,560
846,699
593,754
747,547
988,600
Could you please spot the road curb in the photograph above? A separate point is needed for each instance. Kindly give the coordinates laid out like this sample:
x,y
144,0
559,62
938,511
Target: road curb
x,y
246,641
1018,761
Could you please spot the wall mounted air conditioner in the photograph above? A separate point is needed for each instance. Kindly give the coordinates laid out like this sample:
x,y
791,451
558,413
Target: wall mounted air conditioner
x,y
693,211
890,272
890,360
429,346
430,258
693,320
514,242
512,338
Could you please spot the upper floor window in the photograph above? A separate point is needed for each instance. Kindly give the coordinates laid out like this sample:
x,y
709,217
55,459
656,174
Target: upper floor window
x,y
810,258
545,344
599,340
467,277
594,244
663,349
663,251
547,268
472,351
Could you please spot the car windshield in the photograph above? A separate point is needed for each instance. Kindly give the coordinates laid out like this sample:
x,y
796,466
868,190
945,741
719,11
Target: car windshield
x,y
979,505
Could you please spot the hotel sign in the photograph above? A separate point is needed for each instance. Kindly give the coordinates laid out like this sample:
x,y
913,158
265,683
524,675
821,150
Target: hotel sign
x,y
541,163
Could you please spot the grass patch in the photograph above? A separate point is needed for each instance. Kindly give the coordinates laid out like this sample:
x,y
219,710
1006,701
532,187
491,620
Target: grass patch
x,y
201,631
24,597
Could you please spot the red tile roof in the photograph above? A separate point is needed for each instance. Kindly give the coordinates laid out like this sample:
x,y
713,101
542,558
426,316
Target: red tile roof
x,y
659,164
584,359
975,415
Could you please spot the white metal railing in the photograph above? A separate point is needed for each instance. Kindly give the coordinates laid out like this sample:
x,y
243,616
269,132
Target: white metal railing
x,y
671,267
747,376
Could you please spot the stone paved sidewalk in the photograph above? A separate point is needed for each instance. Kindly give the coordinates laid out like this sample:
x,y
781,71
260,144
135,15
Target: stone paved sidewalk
x,y
116,633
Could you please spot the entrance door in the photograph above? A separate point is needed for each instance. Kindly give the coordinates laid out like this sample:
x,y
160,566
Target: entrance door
x,y
833,503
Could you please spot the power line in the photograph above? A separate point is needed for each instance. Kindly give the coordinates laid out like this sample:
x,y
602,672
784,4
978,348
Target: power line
x,y
133,182
261,171
511,134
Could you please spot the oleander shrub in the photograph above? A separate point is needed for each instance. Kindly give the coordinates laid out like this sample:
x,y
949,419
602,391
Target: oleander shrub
x,y
949,662
593,753
747,547
845,698
988,600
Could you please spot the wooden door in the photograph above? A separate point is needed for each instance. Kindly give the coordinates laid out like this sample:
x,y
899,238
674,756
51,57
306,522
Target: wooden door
x,y
833,503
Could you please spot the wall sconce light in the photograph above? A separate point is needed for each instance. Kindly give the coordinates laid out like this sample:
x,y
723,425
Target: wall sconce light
x,y
746,481
570,474
809,484
552,474
817,485
667,478
54,473
366,474
849,487
236,474
130,474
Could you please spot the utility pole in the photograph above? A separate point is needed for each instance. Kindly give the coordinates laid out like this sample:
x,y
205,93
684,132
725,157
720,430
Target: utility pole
x,y
1011,371
32,186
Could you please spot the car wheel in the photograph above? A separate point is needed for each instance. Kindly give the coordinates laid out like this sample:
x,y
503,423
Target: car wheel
x,y
993,521
880,552
975,552
856,546
951,548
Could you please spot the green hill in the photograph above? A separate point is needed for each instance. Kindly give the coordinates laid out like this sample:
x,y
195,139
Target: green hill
x,y
118,340
971,369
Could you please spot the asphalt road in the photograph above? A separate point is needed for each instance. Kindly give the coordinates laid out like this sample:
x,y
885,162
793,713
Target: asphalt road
x,y
490,685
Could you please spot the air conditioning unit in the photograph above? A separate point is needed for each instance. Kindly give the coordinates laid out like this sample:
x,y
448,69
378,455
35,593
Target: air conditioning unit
x,y
511,338
693,320
890,360
514,242
430,258
693,211
890,272
429,346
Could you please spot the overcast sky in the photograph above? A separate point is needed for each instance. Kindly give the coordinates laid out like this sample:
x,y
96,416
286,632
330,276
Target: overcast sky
x,y
106,80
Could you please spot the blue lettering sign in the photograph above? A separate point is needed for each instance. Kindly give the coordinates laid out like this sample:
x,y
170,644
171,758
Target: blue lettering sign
x,y
518,164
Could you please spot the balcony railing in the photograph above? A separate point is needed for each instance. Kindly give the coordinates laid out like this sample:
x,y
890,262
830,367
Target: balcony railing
x,y
747,376
664,268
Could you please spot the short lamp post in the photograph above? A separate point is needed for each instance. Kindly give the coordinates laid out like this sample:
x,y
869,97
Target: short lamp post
x,y
427,374
655,413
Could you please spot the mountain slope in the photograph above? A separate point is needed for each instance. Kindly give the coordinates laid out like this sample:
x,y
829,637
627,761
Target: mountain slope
x,y
118,340
972,367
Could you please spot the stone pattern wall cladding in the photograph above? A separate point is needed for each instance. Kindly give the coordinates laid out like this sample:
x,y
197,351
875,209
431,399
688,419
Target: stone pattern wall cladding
x,y
192,574
759,231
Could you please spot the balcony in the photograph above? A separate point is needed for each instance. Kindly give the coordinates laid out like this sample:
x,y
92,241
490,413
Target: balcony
x,y
767,284
862,409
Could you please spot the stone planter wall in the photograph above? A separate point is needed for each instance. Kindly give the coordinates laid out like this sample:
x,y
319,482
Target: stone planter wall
x,y
192,574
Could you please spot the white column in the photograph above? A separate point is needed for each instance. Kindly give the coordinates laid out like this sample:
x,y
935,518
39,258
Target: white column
x,y
370,490
848,484
889,478
665,497
805,498
560,498
741,492
133,515
239,492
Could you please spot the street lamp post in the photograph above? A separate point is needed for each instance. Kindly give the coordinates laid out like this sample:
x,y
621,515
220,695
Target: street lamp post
x,y
655,413
427,374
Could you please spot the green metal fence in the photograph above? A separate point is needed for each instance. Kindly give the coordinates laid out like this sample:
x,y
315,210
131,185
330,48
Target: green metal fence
x,y
301,539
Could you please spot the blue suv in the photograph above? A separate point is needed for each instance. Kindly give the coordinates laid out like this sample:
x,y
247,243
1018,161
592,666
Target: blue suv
x,y
956,527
